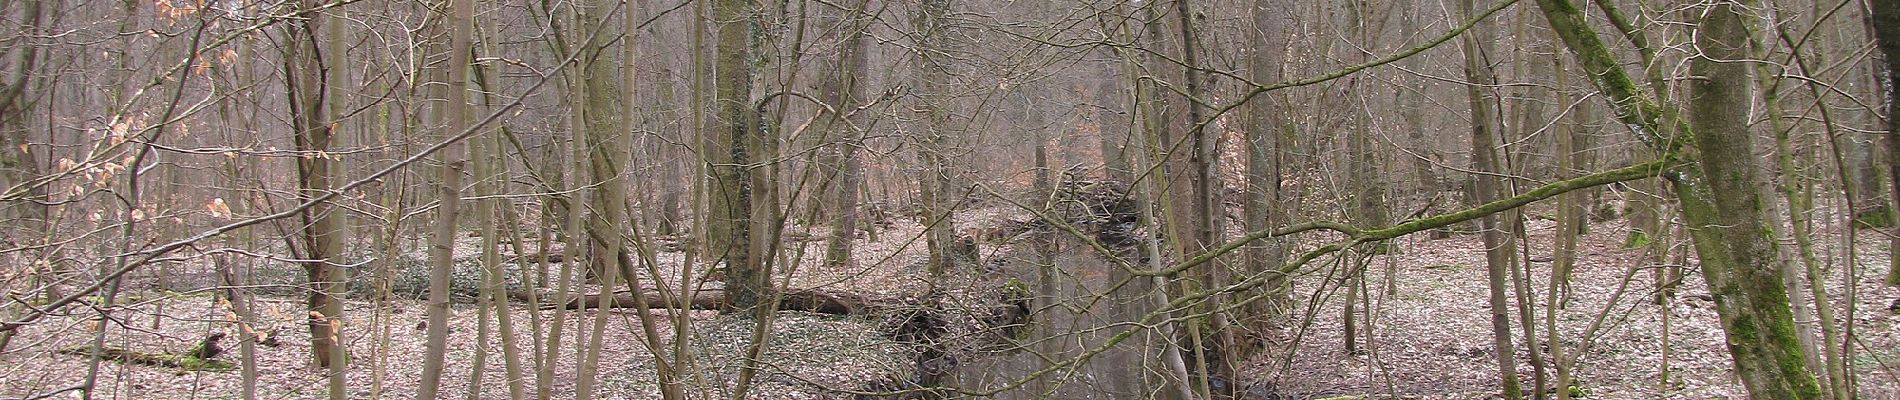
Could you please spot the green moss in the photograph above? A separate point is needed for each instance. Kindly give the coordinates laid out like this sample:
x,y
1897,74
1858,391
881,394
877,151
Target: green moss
x,y
124,356
200,364
1015,289
1022,295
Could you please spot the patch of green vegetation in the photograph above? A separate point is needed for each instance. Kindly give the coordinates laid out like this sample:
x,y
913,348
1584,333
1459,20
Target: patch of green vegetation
x,y
411,279
1015,289
1875,359
1636,240
806,356
1875,217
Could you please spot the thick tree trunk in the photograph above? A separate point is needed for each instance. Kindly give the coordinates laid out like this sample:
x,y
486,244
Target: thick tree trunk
x,y
1726,215
23,209
730,145
1263,209
1720,198
1886,25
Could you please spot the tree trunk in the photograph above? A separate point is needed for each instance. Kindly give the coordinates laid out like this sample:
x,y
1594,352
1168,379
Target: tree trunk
x,y
1726,217
22,204
1886,26
938,188
305,73
451,116
1497,241
1264,208
489,165
730,145
1720,198
841,89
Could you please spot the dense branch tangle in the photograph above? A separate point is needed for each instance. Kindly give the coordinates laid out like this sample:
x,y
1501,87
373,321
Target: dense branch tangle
x,y
934,57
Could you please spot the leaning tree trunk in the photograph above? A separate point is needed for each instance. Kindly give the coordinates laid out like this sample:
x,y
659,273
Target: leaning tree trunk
x,y
1728,220
1720,197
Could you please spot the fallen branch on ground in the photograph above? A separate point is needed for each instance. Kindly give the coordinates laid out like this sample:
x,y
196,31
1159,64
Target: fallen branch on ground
x,y
183,362
817,301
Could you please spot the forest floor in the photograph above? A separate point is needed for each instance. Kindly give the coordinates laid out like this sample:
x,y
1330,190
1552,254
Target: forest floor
x,y
1433,338
1430,340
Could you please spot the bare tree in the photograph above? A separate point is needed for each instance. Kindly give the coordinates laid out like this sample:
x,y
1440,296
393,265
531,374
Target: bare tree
x,y
1720,199
307,70
451,115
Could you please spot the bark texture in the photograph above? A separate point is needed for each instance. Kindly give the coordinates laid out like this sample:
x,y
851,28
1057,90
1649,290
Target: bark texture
x,y
1720,196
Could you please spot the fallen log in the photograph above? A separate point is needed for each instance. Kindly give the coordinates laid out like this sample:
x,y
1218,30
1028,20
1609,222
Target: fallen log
x,y
817,301
179,361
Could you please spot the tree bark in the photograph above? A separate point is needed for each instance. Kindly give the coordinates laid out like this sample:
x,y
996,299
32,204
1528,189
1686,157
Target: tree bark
x,y
1497,240
938,188
451,117
1265,141
731,147
22,203
1720,199
1886,26
20,200
306,73
841,88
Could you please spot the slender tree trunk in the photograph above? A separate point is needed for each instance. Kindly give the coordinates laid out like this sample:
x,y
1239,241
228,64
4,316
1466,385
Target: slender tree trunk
x,y
1192,209
841,88
1569,219
938,188
1497,241
491,168
452,117
306,72
1813,310
1368,193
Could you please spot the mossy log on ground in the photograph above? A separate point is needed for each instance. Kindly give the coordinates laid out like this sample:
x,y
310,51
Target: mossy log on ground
x,y
183,362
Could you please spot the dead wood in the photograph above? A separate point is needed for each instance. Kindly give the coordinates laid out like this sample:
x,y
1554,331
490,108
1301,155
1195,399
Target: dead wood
x,y
179,361
817,301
